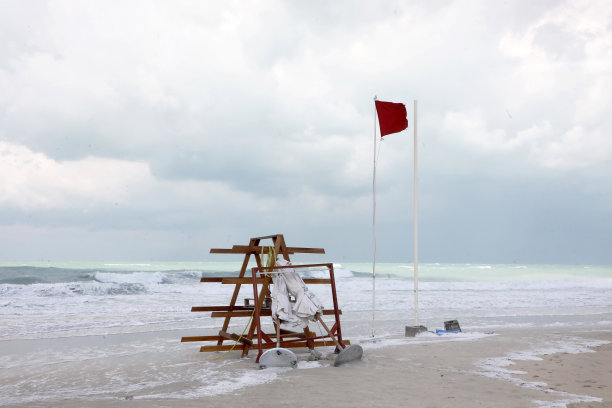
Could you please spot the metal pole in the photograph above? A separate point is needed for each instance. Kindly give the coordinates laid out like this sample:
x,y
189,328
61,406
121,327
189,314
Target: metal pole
x,y
416,224
374,226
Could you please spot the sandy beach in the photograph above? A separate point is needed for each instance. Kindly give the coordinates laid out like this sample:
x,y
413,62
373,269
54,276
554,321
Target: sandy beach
x,y
445,372
550,367
582,373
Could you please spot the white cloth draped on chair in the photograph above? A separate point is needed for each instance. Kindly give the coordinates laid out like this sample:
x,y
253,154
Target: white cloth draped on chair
x,y
287,281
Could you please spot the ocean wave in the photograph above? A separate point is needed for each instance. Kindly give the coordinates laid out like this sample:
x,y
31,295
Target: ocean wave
x,y
108,284
27,275
343,273
20,280
339,272
30,275
73,289
183,277
132,278
127,264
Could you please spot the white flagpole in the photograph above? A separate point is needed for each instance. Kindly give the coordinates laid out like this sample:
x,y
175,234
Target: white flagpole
x,y
416,224
374,226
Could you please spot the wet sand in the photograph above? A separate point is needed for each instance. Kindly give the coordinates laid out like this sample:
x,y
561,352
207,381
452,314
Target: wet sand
x,y
581,374
554,367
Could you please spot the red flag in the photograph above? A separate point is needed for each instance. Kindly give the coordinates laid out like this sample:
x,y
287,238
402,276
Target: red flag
x,y
392,117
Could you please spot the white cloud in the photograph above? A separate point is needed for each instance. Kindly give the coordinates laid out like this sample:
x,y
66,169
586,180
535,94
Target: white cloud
x,y
471,129
33,181
554,91
575,148
542,144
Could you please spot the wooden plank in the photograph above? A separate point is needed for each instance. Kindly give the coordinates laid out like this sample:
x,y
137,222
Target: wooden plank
x,y
244,281
235,337
240,313
262,312
218,308
225,347
309,337
260,281
240,249
245,264
298,250
227,251
317,281
256,322
269,236
200,338
291,333
244,249
301,344
232,280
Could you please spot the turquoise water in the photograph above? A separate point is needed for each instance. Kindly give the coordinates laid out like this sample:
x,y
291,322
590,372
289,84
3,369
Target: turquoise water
x,y
56,299
484,272
428,272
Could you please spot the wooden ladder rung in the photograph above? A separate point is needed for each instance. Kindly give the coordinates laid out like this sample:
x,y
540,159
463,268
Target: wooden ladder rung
x,y
218,308
234,336
200,338
249,281
301,344
256,249
263,312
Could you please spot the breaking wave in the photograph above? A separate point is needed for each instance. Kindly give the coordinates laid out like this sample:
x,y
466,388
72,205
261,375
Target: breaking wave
x,y
72,289
48,282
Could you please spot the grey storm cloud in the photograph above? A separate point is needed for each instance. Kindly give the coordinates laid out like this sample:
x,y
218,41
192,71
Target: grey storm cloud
x,y
166,124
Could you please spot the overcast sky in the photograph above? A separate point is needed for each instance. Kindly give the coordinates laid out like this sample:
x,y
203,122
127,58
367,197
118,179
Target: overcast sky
x,y
149,131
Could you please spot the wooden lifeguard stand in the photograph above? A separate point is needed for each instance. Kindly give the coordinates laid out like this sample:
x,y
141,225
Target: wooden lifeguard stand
x,y
290,339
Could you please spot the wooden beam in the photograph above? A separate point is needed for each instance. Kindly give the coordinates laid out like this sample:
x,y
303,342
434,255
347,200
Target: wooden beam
x,y
257,309
317,281
244,281
297,250
302,344
260,281
218,308
240,313
256,249
225,347
290,333
245,264
269,236
262,312
200,338
234,336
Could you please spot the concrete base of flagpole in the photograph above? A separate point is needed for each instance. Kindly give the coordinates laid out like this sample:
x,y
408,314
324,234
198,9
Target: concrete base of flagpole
x,y
412,331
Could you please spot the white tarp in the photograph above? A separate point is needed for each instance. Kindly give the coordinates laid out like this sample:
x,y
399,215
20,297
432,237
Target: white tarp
x,y
287,281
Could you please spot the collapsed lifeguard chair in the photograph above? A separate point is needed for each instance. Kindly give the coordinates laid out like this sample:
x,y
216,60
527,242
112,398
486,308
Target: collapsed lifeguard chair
x,y
261,280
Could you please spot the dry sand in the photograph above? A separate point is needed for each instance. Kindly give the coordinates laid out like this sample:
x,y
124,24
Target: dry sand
x,y
433,371
584,373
